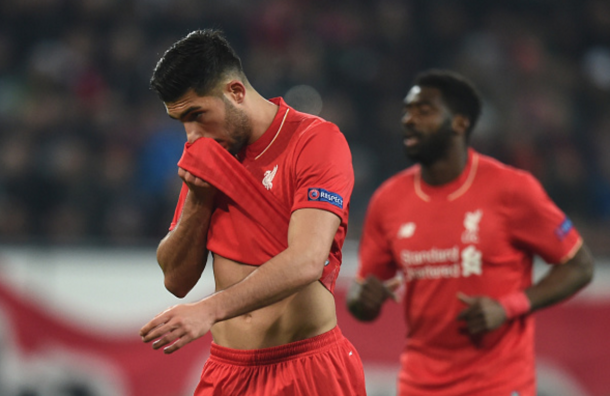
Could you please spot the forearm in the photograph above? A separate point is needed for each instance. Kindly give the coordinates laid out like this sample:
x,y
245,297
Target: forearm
x,y
182,254
562,281
278,278
310,236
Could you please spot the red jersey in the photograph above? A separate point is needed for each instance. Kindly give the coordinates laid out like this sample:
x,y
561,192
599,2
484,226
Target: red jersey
x,y
476,235
302,161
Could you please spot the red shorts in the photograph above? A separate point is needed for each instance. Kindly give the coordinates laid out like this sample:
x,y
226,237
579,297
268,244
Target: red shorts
x,y
324,365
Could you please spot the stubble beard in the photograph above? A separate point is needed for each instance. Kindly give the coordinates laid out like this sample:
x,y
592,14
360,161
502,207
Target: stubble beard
x,y
238,126
434,147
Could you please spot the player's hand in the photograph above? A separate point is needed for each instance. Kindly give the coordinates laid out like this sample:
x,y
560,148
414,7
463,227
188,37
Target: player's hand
x,y
177,326
374,292
367,297
392,285
201,189
481,314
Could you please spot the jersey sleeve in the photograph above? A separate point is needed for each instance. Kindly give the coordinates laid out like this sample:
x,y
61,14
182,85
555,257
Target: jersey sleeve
x,y
178,212
375,252
324,172
538,225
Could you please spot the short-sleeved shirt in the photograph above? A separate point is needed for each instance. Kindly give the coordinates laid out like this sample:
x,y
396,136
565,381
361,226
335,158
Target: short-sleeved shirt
x,y
302,161
477,235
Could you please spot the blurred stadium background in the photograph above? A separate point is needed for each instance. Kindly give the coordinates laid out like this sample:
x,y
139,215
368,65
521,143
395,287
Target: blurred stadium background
x,y
88,162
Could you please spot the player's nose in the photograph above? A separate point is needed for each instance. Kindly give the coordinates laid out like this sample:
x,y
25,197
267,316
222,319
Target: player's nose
x,y
193,133
407,120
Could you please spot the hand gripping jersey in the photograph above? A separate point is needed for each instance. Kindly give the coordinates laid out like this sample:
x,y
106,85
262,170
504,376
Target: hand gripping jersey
x,y
476,235
301,161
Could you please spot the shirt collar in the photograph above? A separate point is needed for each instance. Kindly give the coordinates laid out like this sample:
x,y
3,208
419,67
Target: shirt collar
x,y
454,188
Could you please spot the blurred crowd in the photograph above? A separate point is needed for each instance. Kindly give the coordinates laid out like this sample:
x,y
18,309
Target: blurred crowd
x,y
88,155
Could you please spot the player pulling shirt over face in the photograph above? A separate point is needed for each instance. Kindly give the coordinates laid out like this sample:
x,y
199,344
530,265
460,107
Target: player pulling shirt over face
x,y
276,252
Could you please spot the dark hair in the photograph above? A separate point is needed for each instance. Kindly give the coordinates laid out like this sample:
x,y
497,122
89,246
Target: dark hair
x,y
459,94
198,61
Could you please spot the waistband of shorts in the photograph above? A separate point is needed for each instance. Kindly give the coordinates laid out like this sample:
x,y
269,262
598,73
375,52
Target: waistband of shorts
x,y
272,355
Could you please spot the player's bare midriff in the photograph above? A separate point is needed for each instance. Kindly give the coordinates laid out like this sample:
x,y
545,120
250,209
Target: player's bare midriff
x,y
305,314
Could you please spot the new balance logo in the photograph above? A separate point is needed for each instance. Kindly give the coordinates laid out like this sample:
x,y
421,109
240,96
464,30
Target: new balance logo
x,y
406,230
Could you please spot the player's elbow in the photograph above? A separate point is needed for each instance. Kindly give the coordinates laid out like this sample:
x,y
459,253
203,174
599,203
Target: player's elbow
x,y
586,269
583,265
178,289
175,290
309,264
312,268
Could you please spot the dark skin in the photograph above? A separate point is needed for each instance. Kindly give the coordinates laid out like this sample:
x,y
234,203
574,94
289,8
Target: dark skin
x,y
484,314
425,117
366,298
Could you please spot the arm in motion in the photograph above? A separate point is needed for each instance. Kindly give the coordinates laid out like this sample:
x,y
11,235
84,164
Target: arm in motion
x,y
310,235
365,298
562,281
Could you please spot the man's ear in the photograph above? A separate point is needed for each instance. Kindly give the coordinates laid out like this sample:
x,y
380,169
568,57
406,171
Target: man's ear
x,y
236,90
460,124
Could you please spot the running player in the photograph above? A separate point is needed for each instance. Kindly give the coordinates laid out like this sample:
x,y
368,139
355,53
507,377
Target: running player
x,y
463,229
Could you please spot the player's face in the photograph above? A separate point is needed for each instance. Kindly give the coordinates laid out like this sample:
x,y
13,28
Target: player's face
x,y
427,125
214,117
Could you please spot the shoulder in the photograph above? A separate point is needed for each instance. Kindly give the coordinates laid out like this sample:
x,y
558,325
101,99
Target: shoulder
x,y
501,175
307,126
515,187
315,133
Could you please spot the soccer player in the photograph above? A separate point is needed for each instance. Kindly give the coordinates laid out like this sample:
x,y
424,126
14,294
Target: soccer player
x,y
266,190
462,230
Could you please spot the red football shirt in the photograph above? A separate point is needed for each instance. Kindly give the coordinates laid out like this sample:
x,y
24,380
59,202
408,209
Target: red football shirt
x,y
476,235
304,162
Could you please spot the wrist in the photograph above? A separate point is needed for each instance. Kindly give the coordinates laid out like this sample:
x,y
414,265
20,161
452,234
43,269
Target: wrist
x,y
515,304
202,200
209,310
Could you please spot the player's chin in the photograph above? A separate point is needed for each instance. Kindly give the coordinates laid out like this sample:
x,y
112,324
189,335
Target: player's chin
x,y
412,152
